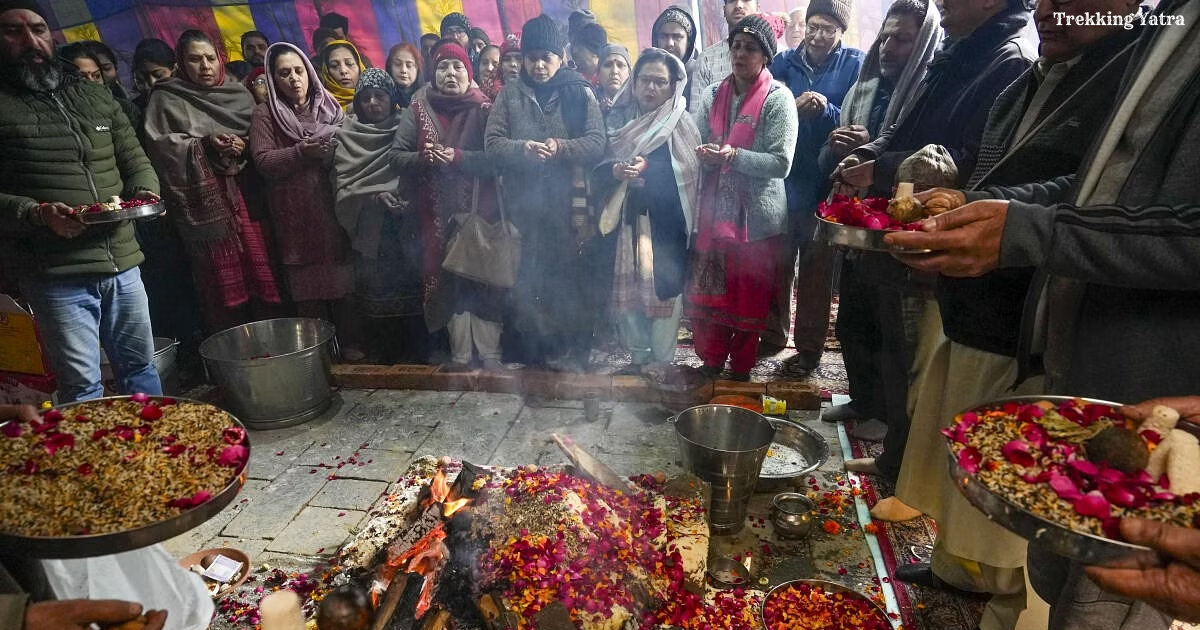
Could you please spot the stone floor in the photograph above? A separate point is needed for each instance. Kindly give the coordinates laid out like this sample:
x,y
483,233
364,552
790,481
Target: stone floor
x,y
309,486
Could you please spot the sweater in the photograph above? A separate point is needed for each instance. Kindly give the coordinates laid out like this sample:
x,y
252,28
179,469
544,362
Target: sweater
x,y
1124,284
712,65
76,146
985,312
768,160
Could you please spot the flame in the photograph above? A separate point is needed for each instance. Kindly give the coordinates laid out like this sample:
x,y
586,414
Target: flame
x,y
450,507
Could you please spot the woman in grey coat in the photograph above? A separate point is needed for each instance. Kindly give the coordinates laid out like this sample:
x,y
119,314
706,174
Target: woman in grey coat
x,y
545,131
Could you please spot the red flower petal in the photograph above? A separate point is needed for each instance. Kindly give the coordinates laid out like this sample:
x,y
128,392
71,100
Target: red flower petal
x,y
969,459
234,435
11,429
233,456
56,441
1093,504
150,413
84,469
1018,452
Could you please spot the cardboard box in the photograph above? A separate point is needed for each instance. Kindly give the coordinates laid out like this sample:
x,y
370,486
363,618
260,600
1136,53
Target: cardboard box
x,y
20,350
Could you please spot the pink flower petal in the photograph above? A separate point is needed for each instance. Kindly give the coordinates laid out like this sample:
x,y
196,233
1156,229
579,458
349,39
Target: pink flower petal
x,y
1018,452
1064,487
140,397
150,413
11,429
1093,504
233,456
234,435
56,441
969,459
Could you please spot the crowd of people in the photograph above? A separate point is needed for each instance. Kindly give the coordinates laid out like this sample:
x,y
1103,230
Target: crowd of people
x,y
471,203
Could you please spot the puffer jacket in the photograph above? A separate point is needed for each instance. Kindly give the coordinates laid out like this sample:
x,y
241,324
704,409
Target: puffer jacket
x,y
73,145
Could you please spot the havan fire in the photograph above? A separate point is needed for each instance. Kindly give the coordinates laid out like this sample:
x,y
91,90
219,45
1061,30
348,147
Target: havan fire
x,y
535,547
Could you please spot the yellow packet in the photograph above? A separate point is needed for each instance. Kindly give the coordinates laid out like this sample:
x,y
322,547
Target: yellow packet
x,y
773,406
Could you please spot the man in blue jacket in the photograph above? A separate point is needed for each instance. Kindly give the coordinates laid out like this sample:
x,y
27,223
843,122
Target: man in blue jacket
x,y
819,73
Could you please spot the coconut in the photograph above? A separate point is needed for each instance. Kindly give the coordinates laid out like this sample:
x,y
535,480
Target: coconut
x,y
1119,448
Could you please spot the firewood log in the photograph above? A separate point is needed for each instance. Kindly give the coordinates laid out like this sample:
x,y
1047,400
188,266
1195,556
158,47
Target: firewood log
x,y
495,613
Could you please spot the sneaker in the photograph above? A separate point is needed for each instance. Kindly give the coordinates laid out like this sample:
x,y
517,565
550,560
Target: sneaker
x,y
840,413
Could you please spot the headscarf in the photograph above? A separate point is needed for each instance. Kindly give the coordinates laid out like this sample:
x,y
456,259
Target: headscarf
x,y
179,115
856,107
362,169
326,114
344,96
403,95
642,135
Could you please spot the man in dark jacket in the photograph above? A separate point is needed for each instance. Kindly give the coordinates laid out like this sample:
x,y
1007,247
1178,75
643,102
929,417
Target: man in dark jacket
x,y
67,144
1112,311
988,50
819,73
1038,129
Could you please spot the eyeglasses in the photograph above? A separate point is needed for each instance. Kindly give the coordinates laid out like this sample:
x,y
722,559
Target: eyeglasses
x,y
827,31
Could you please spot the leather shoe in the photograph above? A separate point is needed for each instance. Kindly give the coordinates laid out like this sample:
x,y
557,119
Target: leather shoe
x,y
711,371
921,574
841,413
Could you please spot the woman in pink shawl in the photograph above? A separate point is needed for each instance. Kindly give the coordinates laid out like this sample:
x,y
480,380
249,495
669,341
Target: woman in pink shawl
x,y
293,145
196,128
748,123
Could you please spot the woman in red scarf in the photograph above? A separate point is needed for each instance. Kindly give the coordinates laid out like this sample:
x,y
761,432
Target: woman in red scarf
x,y
748,123
439,148
197,123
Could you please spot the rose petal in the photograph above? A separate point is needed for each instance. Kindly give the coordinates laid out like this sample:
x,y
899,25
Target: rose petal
x,y
969,459
140,397
1084,467
11,429
234,435
150,413
52,415
1018,452
1064,487
233,456
1093,504
56,441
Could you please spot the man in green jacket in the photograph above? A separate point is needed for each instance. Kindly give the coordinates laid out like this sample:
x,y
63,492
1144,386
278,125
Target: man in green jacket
x,y
67,144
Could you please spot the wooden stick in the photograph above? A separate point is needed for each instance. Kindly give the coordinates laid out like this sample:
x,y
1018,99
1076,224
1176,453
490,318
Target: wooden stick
x,y
391,599
590,466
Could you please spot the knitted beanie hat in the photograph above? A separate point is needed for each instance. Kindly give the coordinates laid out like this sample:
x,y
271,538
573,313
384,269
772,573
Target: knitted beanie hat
x,y
615,49
455,20
9,5
480,34
837,10
592,37
375,78
758,28
512,44
543,33
577,19
451,50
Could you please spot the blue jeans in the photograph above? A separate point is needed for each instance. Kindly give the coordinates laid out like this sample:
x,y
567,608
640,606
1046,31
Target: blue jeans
x,y
78,314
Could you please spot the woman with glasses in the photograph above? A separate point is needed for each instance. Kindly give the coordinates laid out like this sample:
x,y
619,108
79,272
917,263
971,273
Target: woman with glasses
x,y
648,189
819,73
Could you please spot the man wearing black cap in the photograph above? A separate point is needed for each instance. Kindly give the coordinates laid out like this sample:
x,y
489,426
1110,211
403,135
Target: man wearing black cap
x,y
586,46
675,32
713,63
456,26
68,144
819,72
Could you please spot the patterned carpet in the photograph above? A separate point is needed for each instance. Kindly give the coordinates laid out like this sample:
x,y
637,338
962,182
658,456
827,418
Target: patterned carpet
x,y
921,608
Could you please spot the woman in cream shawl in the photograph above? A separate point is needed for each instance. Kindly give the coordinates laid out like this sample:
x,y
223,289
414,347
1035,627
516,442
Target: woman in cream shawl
x,y
197,123
387,277
654,177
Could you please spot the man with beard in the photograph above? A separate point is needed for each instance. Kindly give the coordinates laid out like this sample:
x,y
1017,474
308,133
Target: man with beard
x,y
675,32
68,144
713,64
254,48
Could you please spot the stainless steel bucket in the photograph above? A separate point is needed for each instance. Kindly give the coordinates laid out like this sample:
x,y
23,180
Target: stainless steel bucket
x,y
273,373
165,361
725,446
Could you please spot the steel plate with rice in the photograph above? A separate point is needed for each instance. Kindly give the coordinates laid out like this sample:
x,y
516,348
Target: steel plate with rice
x,y
114,474
862,238
139,211
1044,467
820,605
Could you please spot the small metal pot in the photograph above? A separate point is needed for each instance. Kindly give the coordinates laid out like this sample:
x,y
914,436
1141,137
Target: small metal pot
x,y
792,514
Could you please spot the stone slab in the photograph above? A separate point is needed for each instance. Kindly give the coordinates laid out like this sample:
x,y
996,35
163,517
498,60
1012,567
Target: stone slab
x,y
375,464
274,506
197,538
317,531
349,494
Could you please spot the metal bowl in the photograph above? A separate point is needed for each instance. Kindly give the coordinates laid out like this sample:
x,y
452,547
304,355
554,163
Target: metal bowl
x,y
859,237
124,214
827,586
89,545
1081,546
725,572
796,451
792,514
